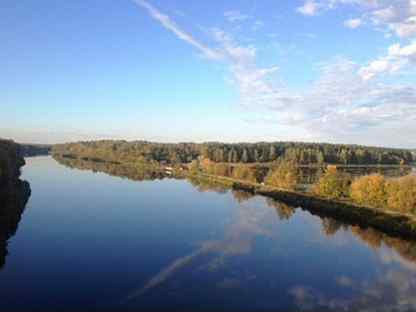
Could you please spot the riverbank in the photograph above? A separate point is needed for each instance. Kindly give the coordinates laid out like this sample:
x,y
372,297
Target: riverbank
x,y
392,223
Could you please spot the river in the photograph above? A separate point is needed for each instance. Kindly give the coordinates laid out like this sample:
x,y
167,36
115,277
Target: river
x,y
91,241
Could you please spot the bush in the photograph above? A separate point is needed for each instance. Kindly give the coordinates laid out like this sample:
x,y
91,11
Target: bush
x,y
370,190
285,175
333,184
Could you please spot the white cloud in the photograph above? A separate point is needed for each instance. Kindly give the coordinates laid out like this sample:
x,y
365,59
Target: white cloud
x,y
353,23
251,81
310,8
235,16
169,24
398,16
397,58
347,102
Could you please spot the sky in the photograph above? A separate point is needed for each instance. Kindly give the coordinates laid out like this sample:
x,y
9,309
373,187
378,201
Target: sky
x,y
339,71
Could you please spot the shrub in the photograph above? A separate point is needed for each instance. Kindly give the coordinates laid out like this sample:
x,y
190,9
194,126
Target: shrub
x,y
333,184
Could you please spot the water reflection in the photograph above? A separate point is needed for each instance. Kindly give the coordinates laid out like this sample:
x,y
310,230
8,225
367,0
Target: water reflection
x,y
247,223
13,200
112,169
389,288
270,256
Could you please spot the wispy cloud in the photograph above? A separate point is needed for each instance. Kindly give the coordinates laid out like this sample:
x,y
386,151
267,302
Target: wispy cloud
x,y
235,16
170,25
346,100
397,58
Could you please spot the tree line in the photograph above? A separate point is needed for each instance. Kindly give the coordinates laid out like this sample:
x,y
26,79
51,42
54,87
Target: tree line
x,y
300,153
375,190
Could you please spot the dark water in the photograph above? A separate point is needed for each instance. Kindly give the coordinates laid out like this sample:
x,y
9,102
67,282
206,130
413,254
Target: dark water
x,y
90,241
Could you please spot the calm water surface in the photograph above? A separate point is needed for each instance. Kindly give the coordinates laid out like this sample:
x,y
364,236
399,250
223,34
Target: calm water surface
x,y
90,241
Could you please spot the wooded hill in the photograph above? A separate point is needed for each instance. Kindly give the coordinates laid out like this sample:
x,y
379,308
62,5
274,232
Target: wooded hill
x,y
300,153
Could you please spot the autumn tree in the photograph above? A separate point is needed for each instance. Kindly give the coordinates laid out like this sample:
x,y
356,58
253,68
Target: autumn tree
x,y
194,167
370,190
333,184
244,172
222,170
402,194
284,175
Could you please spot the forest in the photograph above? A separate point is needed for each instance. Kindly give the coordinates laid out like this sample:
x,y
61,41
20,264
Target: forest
x,y
300,153
11,160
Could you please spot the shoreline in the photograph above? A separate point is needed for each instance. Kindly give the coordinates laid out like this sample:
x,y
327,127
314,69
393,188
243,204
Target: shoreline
x,y
389,222
392,223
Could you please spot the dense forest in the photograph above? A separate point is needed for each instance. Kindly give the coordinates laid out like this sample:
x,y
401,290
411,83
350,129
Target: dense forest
x,y
300,153
11,160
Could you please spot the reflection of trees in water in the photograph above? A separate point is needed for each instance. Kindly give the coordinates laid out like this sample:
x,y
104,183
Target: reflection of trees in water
x,y
331,226
136,173
241,196
394,288
13,200
391,289
373,238
205,185
284,212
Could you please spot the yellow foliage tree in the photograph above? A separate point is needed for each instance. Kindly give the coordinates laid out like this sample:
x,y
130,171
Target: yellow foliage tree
x,y
243,172
222,170
285,175
333,184
370,190
402,194
194,167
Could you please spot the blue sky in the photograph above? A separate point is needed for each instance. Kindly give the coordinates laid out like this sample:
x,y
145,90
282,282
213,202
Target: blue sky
x,y
165,70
